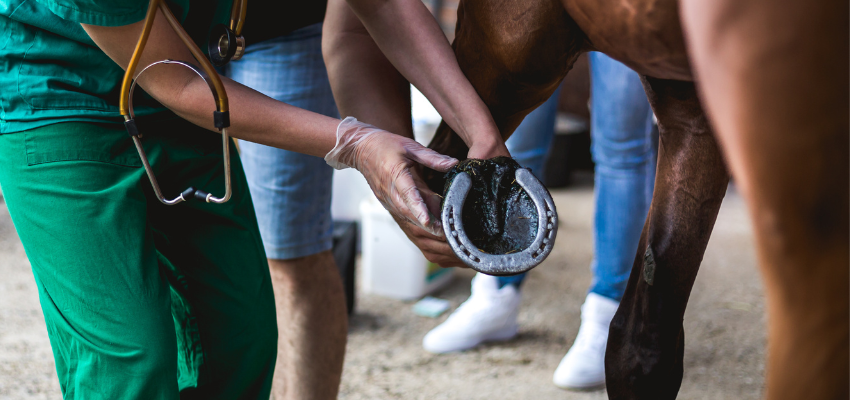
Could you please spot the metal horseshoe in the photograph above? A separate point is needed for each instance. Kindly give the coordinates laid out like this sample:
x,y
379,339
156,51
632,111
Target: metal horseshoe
x,y
500,264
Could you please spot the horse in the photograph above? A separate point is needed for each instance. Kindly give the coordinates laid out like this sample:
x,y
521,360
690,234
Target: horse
x,y
757,90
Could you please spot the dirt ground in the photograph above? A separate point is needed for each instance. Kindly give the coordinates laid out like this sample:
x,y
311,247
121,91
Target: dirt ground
x,y
724,325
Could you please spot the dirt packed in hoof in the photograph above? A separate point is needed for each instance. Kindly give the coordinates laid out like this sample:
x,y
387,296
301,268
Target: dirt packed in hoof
x,y
499,217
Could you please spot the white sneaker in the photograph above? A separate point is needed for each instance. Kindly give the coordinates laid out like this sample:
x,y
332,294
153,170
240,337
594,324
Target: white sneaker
x,y
584,365
489,314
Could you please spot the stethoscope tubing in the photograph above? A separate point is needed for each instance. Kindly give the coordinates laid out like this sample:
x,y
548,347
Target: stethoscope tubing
x,y
208,197
208,74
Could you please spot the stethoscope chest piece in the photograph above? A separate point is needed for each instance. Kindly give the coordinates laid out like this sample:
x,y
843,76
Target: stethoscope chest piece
x,y
225,45
500,264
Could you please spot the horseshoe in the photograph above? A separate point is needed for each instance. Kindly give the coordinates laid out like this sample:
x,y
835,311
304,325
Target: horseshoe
x,y
500,264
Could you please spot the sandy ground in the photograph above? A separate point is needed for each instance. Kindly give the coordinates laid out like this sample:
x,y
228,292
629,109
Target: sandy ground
x,y
724,325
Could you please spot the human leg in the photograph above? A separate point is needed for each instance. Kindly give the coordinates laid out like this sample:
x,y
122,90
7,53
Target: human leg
x,y
530,142
292,197
119,273
624,153
82,219
212,255
308,293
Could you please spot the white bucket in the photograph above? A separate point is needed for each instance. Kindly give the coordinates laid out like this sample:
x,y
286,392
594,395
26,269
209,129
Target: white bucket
x,y
349,190
392,265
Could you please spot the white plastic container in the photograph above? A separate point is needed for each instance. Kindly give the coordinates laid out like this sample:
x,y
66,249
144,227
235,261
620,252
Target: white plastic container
x,y
392,265
349,190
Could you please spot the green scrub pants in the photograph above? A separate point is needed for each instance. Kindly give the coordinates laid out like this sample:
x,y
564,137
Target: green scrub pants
x,y
119,273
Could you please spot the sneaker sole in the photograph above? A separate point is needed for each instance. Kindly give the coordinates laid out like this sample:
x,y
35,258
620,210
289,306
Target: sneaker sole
x,y
582,387
498,336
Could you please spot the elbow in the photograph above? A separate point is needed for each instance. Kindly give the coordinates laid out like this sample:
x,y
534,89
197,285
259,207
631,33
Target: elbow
x,y
366,7
338,43
330,42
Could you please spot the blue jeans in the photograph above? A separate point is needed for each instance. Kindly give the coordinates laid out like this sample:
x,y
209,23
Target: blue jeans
x,y
291,191
624,151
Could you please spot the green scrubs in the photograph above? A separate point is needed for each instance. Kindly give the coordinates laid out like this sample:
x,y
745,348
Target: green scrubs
x,y
141,300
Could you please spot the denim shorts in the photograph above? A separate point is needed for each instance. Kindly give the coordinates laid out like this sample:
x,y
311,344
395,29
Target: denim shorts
x,y
291,191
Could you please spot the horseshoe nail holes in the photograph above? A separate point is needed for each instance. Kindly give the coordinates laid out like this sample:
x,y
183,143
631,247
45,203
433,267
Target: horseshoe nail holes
x,y
550,225
460,247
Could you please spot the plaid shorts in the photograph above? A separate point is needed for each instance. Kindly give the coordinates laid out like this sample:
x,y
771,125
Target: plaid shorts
x,y
291,191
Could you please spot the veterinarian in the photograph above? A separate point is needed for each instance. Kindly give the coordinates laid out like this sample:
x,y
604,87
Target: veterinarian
x,y
149,301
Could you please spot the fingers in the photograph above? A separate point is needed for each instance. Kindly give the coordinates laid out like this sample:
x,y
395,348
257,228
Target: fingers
x,y
434,248
438,252
406,188
430,158
432,200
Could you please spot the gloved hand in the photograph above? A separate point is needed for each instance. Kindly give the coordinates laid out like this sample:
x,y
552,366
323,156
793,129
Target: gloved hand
x,y
386,160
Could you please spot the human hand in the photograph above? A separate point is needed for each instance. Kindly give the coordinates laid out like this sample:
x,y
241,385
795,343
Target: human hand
x,y
434,248
387,161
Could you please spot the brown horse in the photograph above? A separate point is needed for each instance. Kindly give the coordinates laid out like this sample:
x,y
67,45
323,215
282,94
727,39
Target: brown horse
x,y
774,78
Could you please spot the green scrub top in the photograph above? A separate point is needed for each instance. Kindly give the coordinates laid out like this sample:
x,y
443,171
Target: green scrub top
x,y
51,71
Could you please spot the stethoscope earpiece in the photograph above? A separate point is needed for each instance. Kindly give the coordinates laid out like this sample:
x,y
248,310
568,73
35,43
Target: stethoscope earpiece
x,y
225,45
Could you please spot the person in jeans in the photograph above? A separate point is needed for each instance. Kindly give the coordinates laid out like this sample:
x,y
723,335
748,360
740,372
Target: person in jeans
x,y
624,152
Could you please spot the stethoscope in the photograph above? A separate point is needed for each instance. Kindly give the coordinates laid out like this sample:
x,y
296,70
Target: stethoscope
x,y
226,44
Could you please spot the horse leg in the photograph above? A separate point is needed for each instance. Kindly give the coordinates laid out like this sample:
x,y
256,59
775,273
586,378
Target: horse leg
x,y
515,53
774,75
643,359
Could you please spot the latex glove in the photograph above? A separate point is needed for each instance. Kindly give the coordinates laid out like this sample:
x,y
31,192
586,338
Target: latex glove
x,y
387,161
433,247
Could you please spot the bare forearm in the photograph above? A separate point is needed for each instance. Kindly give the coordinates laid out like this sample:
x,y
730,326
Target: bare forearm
x,y
365,84
254,117
257,118
411,39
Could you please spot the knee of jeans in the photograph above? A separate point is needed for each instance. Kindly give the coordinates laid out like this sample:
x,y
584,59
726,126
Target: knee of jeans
x,y
628,154
624,123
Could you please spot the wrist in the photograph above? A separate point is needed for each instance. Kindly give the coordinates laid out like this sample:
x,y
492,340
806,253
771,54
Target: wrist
x,y
486,149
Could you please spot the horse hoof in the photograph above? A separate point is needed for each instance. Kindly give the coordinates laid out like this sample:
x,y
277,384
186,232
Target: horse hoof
x,y
507,237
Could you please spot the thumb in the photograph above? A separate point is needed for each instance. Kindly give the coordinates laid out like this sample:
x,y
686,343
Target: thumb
x,y
431,158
